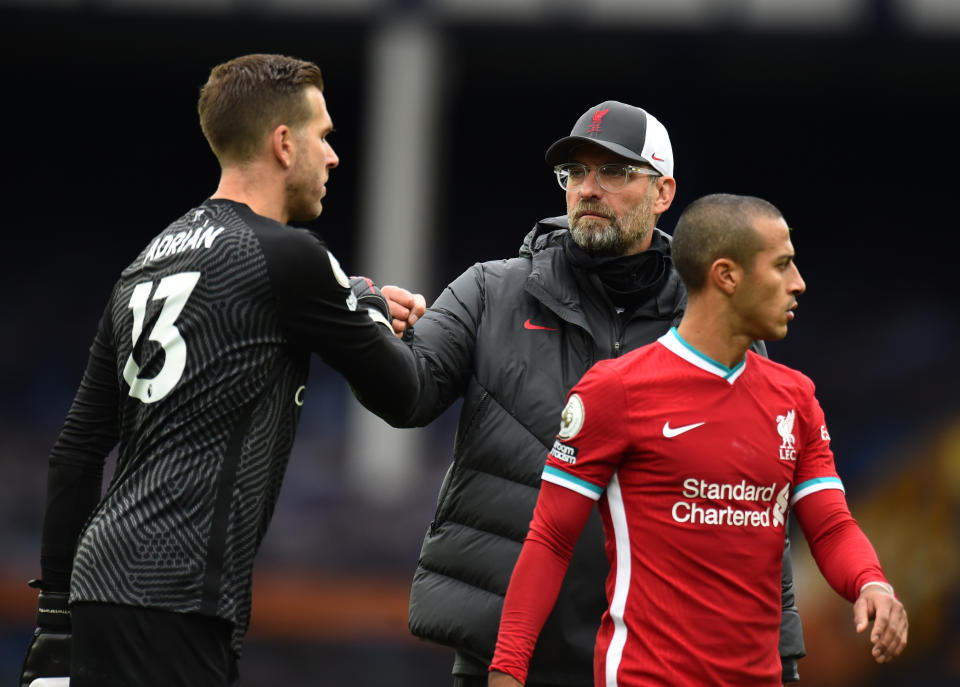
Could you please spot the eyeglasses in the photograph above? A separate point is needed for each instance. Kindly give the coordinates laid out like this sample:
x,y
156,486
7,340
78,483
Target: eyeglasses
x,y
611,177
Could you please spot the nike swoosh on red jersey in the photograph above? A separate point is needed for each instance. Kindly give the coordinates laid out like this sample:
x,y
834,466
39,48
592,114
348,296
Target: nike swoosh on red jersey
x,y
529,325
670,432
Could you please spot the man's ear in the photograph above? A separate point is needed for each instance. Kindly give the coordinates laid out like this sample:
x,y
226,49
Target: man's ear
x,y
726,275
666,188
283,145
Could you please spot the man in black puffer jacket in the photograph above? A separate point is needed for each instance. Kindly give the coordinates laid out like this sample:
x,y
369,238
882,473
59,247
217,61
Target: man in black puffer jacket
x,y
511,337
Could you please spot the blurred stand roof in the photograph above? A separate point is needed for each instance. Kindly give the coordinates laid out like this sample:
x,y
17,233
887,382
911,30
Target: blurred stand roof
x,y
925,16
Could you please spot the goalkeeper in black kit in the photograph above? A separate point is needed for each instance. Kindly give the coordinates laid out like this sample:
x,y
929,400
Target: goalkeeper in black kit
x,y
197,373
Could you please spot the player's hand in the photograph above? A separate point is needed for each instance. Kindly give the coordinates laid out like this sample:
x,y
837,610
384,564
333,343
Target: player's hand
x,y
498,679
49,652
371,299
889,633
405,307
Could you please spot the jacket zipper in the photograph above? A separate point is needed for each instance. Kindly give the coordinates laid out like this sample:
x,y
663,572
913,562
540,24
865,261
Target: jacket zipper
x,y
619,330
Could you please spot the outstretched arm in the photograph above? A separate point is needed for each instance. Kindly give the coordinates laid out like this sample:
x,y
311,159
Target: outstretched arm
x,y
444,342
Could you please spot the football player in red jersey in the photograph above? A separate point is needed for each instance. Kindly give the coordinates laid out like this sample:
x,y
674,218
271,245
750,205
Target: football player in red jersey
x,y
695,449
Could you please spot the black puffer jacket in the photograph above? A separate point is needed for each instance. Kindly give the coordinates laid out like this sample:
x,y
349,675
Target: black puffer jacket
x,y
512,337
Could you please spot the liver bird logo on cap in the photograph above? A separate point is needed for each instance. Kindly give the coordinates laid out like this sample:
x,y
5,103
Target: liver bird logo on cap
x,y
597,118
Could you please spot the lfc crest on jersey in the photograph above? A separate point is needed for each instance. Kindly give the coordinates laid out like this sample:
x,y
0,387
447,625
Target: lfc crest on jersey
x,y
785,429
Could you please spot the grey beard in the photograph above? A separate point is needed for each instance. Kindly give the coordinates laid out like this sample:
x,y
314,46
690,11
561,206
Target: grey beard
x,y
611,240
601,242
620,235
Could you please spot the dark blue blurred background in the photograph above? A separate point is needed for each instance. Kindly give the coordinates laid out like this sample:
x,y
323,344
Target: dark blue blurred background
x,y
843,114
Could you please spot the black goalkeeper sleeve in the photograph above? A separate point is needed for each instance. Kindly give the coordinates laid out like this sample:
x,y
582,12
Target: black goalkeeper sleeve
x,y
75,476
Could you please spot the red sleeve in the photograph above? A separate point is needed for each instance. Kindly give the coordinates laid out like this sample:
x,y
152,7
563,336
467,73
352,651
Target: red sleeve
x,y
842,551
558,519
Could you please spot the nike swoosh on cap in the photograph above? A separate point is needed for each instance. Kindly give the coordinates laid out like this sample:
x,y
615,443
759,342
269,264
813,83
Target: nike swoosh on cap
x,y
654,156
529,325
669,431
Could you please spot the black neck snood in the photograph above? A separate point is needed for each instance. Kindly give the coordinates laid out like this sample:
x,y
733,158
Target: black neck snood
x,y
627,279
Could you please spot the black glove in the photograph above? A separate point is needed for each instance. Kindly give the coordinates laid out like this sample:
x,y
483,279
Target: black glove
x,y
371,300
49,653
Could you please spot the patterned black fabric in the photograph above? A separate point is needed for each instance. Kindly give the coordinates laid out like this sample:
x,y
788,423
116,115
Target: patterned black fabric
x,y
208,334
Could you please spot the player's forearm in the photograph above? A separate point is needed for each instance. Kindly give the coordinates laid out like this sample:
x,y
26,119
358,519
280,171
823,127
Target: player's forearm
x,y
75,474
383,376
72,494
558,520
440,378
444,341
533,590
843,553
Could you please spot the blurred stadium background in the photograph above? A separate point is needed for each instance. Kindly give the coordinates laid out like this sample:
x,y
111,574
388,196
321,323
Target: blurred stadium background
x,y
842,112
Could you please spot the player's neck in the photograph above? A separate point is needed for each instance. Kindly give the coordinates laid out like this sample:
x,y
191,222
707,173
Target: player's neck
x,y
256,190
711,333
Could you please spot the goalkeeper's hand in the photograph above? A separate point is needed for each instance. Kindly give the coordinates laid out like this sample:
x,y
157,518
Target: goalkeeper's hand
x,y
370,299
49,652
400,308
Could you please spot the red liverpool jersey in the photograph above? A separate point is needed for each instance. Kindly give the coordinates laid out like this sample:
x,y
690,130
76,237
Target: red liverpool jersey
x,y
694,466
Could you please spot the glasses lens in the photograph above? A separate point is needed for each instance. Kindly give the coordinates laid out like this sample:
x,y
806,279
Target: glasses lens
x,y
613,177
570,174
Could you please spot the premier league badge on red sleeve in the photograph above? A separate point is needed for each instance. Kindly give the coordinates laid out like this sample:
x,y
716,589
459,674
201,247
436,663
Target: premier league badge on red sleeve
x,y
571,420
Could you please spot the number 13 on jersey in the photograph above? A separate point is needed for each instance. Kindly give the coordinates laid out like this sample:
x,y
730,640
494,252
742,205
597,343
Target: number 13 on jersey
x,y
174,291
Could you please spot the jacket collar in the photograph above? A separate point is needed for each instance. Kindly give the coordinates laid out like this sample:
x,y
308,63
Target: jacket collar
x,y
545,233
552,282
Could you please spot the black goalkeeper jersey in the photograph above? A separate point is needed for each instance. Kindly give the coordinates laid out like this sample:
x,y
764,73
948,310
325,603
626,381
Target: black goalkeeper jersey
x,y
198,371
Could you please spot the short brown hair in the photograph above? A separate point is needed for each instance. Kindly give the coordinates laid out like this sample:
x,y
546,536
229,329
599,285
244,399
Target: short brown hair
x,y
717,226
250,95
